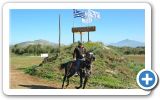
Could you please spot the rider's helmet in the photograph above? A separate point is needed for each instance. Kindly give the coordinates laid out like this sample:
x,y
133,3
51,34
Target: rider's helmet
x,y
79,43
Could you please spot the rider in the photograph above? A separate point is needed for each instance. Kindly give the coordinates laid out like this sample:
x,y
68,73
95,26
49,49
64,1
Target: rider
x,y
78,55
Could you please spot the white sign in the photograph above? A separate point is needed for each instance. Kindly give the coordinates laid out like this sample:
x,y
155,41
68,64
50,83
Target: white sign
x,y
44,55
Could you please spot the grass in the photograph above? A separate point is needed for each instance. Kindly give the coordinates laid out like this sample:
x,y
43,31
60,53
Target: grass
x,y
110,70
24,61
137,62
140,59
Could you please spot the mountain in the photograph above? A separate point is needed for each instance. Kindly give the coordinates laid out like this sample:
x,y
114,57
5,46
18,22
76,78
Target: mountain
x,y
40,41
128,43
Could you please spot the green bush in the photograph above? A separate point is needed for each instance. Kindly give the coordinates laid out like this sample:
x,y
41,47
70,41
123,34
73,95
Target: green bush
x,y
31,70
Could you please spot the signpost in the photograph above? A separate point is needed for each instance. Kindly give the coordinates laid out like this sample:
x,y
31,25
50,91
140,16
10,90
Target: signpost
x,y
83,29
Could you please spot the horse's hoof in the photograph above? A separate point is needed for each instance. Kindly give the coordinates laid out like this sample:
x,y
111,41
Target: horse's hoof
x,y
66,86
78,87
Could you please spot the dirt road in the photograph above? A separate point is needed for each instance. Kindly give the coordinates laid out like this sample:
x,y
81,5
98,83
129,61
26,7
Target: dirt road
x,y
20,80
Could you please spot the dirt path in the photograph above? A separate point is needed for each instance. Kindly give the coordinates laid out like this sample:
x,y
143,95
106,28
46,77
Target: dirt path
x,y
20,80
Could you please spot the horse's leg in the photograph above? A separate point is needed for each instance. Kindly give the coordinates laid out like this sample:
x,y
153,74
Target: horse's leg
x,y
67,82
64,78
85,81
70,75
81,80
70,72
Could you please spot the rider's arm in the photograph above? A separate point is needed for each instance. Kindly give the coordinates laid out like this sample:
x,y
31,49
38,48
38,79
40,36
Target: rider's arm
x,y
74,54
85,51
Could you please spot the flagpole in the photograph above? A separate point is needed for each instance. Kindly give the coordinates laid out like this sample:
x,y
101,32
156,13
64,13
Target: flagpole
x,y
88,32
73,27
59,33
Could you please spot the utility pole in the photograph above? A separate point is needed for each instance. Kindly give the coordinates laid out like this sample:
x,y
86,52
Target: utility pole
x,y
81,36
59,33
88,36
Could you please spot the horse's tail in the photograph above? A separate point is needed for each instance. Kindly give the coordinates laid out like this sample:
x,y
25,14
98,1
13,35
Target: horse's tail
x,y
62,66
65,65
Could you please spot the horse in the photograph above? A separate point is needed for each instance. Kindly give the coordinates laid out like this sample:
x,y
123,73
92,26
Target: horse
x,y
84,70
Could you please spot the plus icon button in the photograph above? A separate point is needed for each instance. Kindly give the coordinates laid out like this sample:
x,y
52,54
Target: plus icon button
x,y
147,79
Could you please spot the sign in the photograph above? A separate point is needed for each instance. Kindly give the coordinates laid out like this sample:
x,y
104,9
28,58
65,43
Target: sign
x,y
83,29
44,55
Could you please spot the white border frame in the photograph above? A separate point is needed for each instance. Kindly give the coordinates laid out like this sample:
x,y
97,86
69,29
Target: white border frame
x,y
8,6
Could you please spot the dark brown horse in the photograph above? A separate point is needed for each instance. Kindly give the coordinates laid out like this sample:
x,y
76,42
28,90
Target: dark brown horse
x,y
84,71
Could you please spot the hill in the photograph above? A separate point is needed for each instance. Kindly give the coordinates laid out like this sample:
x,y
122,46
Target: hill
x,y
110,70
128,43
34,47
35,42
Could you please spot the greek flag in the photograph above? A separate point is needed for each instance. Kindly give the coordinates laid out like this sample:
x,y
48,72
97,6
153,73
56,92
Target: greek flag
x,y
77,13
94,14
90,15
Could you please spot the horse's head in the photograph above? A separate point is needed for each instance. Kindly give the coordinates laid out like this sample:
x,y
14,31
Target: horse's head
x,y
90,57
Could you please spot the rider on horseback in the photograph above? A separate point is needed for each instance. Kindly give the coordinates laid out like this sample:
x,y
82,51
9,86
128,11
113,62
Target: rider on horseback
x,y
80,65
78,55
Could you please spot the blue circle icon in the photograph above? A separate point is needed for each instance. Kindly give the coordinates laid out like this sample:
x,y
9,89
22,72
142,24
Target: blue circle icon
x,y
147,79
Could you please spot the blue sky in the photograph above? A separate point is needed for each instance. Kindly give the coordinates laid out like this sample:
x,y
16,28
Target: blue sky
x,y
113,26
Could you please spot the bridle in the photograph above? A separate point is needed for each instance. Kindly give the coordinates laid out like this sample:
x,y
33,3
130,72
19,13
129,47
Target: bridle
x,y
88,61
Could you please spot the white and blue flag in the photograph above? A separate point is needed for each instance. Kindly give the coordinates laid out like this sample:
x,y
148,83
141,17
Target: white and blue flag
x,y
90,15
77,13
87,16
